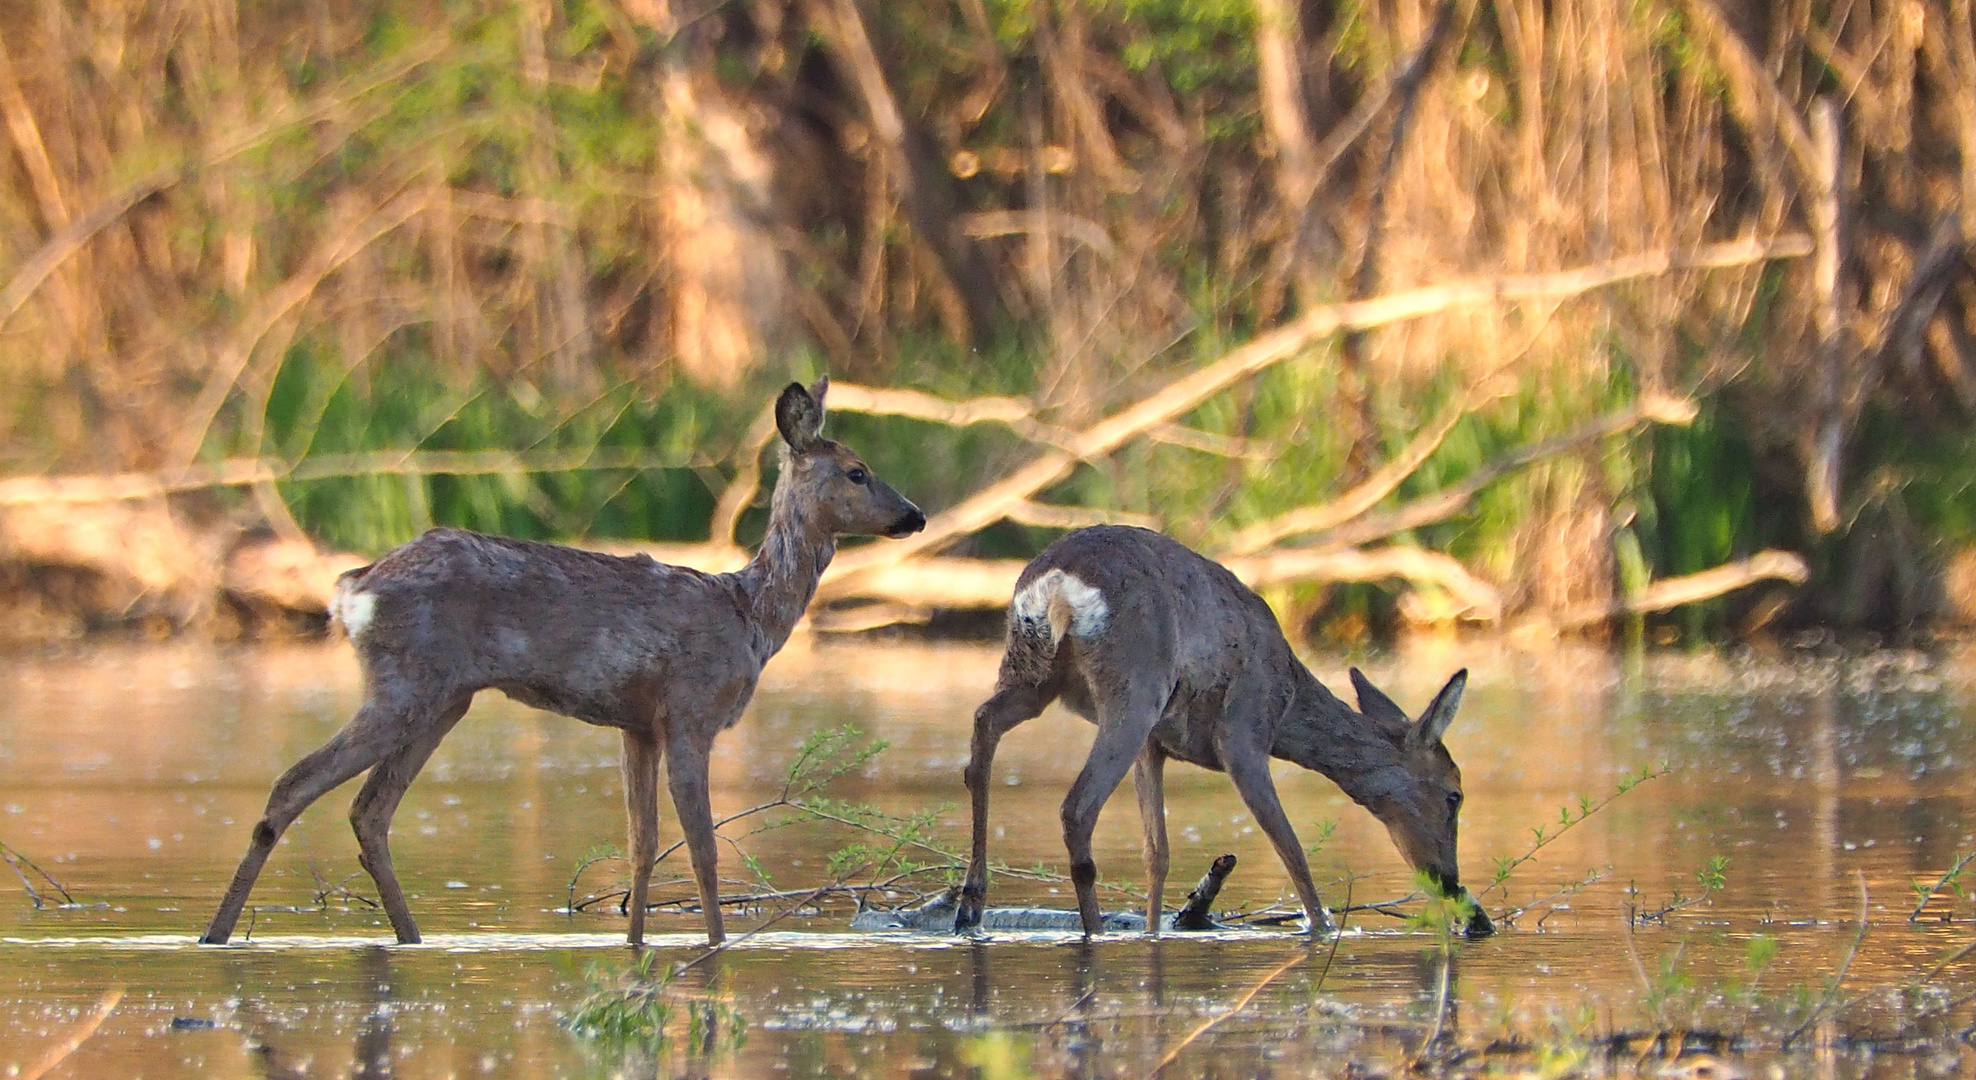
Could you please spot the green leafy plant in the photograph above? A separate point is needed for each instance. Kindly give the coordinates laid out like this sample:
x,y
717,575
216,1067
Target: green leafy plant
x,y
636,1005
1711,878
1950,882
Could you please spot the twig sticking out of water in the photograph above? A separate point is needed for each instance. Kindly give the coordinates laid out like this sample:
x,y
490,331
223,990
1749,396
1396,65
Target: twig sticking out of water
x,y
1568,820
1952,881
60,1051
1332,954
810,898
823,758
1508,918
16,861
326,888
1443,916
1831,996
1712,878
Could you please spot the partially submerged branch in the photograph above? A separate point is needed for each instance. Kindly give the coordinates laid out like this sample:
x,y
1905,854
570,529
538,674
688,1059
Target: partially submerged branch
x,y
21,864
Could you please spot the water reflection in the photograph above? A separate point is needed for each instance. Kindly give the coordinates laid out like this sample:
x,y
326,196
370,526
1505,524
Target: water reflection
x,y
128,773
281,1055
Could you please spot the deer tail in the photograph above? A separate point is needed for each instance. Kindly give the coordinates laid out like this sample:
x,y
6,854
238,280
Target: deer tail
x,y
1057,605
350,608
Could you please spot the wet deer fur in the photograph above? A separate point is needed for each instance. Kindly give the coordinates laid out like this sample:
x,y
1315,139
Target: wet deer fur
x,y
667,655
1173,657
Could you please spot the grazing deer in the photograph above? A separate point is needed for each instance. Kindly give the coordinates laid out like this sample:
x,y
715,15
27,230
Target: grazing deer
x,y
1172,657
667,655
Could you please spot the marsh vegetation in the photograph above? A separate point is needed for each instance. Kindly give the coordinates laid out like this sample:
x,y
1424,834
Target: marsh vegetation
x,y
1630,293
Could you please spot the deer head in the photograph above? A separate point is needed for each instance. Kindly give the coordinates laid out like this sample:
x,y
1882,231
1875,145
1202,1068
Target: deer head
x,y
1418,796
843,496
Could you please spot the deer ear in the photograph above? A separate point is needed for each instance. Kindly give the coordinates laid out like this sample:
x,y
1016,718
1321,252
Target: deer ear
x,y
1373,702
817,389
799,416
1440,712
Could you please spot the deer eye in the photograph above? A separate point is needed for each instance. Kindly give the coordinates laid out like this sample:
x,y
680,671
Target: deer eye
x,y
1454,800
858,475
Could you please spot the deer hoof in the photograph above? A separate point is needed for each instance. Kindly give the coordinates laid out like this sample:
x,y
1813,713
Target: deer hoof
x,y
967,913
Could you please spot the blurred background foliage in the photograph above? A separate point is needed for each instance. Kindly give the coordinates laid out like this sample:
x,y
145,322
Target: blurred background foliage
x,y
289,230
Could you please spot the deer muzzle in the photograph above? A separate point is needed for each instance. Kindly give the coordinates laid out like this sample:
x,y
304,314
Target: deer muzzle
x,y
913,522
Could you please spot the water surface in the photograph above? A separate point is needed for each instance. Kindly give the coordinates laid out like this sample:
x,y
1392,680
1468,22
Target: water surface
x,y
132,775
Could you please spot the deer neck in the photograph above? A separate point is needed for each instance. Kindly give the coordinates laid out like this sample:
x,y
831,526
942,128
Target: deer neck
x,y
778,584
1325,735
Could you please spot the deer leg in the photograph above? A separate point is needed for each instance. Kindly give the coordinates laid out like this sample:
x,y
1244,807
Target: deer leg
x,y
1149,784
371,734
372,810
996,716
1122,734
641,804
686,775
1248,767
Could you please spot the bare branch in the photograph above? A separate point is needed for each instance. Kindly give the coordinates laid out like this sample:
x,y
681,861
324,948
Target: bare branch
x,y
1075,517
241,472
278,303
1364,497
1415,565
1769,565
1448,502
1184,394
1759,106
35,269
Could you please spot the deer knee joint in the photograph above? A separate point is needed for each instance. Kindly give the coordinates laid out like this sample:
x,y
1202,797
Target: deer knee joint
x,y
1083,875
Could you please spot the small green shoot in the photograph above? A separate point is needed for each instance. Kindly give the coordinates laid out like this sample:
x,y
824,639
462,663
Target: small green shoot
x,y
1323,832
1569,817
1950,882
1711,878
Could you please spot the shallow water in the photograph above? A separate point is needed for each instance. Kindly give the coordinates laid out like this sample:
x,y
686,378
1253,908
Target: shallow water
x,y
132,774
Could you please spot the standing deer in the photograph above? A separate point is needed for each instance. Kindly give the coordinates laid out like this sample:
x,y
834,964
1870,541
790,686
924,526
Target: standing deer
x,y
1173,657
667,655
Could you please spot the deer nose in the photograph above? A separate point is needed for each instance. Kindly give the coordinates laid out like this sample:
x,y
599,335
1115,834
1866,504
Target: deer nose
x,y
913,522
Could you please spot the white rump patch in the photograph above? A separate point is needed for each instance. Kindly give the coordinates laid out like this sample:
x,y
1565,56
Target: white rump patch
x,y
353,609
1066,602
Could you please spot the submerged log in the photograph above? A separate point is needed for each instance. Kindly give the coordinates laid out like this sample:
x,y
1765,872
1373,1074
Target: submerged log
x,y
936,915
